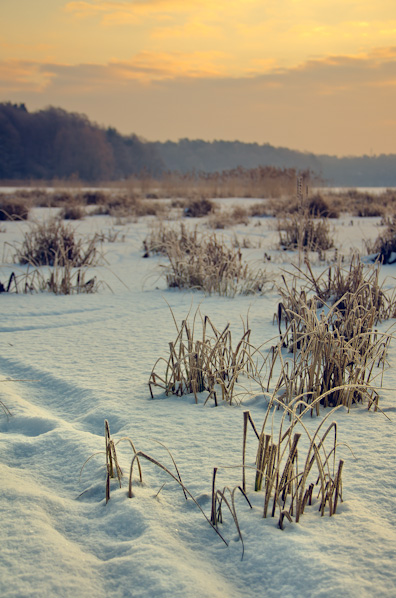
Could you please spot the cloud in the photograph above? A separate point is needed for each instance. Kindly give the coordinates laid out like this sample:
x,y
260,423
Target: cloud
x,y
333,72
24,75
129,12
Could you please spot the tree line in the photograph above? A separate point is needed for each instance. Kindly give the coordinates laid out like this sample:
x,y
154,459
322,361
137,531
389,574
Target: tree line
x,y
187,155
53,143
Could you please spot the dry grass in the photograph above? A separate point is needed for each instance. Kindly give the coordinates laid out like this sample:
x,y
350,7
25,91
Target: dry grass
x,y
72,212
325,362
60,280
263,181
207,362
113,470
198,208
335,349
205,263
287,482
299,232
54,243
221,219
384,247
302,229
161,239
13,207
333,283
56,261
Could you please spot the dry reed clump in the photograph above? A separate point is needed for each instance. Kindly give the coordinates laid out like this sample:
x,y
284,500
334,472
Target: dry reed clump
x,y
202,263
198,208
13,207
162,238
221,219
72,212
384,247
337,280
302,232
336,351
288,482
113,470
301,229
214,269
363,203
208,362
206,264
333,356
260,209
60,280
320,207
129,205
53,243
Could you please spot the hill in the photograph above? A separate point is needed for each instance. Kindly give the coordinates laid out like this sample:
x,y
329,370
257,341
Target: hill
x,y
54,143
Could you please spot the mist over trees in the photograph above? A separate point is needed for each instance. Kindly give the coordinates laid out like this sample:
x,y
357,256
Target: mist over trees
x,y
355,171
54,143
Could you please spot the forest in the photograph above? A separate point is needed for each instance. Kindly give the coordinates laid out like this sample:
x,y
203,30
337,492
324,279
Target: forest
x,y
55,144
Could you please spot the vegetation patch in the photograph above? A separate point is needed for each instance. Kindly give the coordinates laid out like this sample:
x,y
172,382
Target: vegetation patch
x,y
207,362
384,248
334,346
54,243
13,208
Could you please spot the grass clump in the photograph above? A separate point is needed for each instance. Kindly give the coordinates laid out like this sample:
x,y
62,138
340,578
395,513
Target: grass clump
x,y
72,212
60,280
208,265
305,228
53,243
13,208
287,481
162,238
203,263
209,363
215,268
197,208
329,328
302,232
226,218
384,247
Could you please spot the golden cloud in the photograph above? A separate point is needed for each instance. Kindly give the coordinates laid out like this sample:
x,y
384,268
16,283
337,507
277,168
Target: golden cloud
x,y
124,12
21,75
340,72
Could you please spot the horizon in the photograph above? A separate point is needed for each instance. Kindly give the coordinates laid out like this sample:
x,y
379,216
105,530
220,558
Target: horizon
x,y
190,139
295,74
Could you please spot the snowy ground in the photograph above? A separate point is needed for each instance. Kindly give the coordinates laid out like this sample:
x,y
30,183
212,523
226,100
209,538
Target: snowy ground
x,y
78,360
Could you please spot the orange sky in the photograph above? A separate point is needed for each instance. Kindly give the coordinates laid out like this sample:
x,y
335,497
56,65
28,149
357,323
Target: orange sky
x,y
314,75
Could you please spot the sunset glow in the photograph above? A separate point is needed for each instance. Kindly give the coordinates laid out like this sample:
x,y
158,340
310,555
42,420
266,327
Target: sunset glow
x,y
315,75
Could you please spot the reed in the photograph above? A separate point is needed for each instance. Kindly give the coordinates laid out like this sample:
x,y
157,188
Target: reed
x,y
209,362
213,268
335,352
60,280
54,243
287,473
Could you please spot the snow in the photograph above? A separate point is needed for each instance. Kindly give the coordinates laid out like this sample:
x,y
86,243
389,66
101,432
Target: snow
x,y
78,360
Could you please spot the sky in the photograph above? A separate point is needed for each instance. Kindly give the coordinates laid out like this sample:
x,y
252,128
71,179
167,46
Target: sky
x,y
311,75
